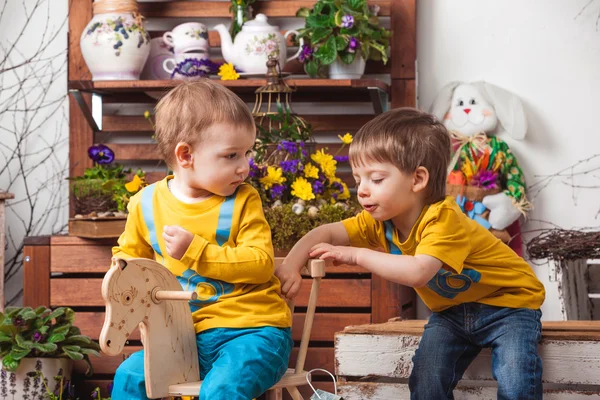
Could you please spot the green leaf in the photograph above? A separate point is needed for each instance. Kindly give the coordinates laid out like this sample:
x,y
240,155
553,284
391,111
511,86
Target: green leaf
x,y
319,34
328,52
56,337
10,312
64,329
40,310
303,12
26,344
5,338
312,69
347,58
45,347
55,314
318,21
10,364
17,353
382,50
75,355
341,42
72,348
356,4
28,314
79,339
90,351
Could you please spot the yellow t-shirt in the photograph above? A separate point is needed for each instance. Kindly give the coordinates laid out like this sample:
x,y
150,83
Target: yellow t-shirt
x,y
229,263
478,267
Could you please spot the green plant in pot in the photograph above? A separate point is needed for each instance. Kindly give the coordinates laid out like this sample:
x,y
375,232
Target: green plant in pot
x,y
38,343
342,34
104,187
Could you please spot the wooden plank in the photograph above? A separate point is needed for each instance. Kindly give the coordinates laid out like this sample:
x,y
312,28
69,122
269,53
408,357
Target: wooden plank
x,y
66,240
317,357
80,139
573,289
215,9
319,123
386,391
565,361
251,84
36,276
386,300
404,41
97,229
324,325
333,293
80,13
3,197
89,258
403,93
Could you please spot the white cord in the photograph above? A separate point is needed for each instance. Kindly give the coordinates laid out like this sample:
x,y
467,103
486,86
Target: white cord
x,y
323,370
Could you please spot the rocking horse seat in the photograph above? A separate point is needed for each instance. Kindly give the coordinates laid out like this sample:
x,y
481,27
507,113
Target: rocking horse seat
x,y
290,379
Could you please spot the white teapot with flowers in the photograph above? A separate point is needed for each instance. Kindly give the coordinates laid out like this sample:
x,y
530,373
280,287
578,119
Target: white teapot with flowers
x,y
254,44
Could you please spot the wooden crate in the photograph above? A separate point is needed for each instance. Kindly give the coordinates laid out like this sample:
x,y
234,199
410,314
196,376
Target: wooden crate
x,y
373,362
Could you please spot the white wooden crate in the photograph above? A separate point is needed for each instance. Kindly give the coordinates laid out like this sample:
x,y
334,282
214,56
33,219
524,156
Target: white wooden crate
x,y
374,362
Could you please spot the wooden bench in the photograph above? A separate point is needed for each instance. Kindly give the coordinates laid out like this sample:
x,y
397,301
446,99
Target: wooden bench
x,y
373,362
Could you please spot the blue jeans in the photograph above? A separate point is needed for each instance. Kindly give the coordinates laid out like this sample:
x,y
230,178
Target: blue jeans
x,y
235,364
454,337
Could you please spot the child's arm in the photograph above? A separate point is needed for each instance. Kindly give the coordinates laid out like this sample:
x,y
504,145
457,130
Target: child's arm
x,y
289,271
132,243
413,271
250,261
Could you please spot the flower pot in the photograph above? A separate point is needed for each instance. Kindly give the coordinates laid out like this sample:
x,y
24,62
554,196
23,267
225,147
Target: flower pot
x,y
25,384
89,196
115,44
341,70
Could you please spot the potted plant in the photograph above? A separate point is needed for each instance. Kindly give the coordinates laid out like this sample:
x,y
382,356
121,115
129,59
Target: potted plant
x,y
342,34
38,345
300,191
104,188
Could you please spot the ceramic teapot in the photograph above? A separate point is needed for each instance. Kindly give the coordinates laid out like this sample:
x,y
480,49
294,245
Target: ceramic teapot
x,y
254,44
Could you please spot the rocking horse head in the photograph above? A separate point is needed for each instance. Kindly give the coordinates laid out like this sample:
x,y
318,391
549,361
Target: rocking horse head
x,y
141,292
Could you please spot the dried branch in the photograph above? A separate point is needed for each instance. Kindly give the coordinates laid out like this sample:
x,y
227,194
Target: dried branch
x,y
562,244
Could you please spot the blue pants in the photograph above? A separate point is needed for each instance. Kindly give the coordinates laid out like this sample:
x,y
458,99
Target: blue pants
x,y
235,364
454,337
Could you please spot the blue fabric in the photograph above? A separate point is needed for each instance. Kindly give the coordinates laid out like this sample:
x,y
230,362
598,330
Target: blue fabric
x,y
148,213
235,364
225,220
475,213
389,236
454,337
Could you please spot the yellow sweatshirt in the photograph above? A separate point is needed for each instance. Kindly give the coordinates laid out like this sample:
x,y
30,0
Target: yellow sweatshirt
x,y
229,263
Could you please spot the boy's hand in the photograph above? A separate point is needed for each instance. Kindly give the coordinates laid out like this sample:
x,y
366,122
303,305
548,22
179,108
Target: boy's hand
x,y
290,279
177,240
339,254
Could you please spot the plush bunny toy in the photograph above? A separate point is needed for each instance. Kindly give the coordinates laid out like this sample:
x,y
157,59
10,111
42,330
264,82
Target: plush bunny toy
x,y
473,113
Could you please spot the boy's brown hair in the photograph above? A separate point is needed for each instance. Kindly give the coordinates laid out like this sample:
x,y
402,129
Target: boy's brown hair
x,y
184,113
408,138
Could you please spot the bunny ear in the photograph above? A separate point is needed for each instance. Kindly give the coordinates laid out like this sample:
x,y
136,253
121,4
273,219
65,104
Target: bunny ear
x,y
441,103
509,110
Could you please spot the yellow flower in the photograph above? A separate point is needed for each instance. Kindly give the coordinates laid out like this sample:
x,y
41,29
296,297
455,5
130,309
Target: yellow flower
x,y
310,171
134,185
321,157
146,114
346,139
346,194
329,168
273,177
228,73
302,189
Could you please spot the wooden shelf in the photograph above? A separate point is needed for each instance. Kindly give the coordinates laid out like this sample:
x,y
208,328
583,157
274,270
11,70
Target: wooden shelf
x,y
220,9
366,90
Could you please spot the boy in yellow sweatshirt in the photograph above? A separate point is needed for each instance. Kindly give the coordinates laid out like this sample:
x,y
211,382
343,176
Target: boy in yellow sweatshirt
x,y
481,292
207,227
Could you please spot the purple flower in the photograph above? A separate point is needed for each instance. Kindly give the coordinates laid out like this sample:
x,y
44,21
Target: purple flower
x,y
338,186
353,45
277,191
290,166
18,321
288,146
347,21
341,158
191,67
305,54
318,187
485,180
101,154
254,169
37,337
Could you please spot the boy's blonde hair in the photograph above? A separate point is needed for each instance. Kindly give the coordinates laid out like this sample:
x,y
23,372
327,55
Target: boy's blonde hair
x,y
407,138
184,113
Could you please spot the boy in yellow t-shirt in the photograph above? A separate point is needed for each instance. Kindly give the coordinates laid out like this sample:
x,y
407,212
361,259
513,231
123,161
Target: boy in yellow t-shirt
x,y
482,294
207,227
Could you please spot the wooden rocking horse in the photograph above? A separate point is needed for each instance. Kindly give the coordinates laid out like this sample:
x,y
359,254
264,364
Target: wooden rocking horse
x,y
142,292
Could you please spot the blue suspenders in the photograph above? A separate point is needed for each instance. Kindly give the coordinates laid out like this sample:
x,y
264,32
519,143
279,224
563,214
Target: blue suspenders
x,y
389,236
190,280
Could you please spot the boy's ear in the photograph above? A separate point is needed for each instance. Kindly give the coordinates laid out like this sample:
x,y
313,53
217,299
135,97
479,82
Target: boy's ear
x,y
420,179
183,155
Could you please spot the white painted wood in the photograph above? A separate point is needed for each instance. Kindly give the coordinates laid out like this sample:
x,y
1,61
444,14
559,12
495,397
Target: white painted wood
x,y
358,355
573,289
399,391
3,197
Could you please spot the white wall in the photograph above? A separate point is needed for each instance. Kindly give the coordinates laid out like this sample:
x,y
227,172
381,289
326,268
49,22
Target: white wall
x,y
540,51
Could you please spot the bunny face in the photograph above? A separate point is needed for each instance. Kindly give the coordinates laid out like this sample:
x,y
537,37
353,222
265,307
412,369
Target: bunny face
x,y
470,113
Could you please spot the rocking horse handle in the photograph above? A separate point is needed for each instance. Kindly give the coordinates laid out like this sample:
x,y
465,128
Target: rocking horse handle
x,y
160,295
